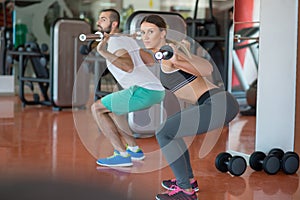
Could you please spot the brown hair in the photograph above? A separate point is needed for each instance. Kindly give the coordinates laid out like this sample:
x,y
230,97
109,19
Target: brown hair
x,y
162,25
157,20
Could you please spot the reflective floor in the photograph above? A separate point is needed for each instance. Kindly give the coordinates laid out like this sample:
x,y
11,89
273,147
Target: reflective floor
x,y
42,156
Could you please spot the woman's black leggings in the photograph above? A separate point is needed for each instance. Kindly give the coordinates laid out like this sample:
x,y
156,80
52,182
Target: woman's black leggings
x,y
214,109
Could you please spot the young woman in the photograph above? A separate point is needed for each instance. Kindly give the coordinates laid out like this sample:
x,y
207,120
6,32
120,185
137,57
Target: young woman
x,y
185,74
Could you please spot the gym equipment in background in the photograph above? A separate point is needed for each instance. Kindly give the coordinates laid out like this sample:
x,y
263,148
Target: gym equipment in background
x,y
6,32
55,72
206,32
249,35
65,60
32,55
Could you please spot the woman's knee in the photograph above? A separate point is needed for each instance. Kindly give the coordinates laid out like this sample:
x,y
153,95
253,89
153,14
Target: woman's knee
x,y
162,137
233,109
158,135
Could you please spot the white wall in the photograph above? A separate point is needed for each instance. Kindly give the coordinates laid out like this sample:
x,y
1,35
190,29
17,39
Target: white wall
x,y
277,75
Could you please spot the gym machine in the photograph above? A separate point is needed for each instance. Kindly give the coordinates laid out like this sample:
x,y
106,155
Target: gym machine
x,y
55,71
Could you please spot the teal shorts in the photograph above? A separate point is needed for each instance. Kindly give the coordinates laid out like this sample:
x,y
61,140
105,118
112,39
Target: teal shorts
x,y
132,99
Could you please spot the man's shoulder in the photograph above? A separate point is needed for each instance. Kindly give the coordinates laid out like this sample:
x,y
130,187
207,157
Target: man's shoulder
x,y
121,36
124,40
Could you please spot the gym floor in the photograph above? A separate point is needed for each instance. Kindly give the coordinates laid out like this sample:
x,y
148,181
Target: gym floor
x,y
43,157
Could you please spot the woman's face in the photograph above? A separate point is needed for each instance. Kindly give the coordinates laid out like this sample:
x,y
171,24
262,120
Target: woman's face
x,y
152,37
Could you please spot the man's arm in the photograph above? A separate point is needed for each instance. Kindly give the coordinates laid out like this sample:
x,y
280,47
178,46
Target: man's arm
x,y
147,58
119,58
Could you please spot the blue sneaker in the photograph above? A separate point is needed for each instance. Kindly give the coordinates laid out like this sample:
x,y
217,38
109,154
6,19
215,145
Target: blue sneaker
x,y
138,155
115,160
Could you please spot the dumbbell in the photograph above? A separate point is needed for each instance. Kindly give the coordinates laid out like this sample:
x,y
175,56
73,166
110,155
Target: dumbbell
x,y
225,162
269,163
164,53
289,160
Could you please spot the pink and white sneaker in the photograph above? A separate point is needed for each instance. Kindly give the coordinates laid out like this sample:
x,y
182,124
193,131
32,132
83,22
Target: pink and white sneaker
x,y
167,184
177,193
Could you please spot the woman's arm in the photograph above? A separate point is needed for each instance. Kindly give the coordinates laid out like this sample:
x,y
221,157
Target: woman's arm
x,y
191,63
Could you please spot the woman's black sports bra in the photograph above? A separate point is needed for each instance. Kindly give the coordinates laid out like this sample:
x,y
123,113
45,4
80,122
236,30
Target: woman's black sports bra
x,y
175,80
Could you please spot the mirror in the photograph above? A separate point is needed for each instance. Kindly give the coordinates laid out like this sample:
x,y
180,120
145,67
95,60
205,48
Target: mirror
x,y
242,70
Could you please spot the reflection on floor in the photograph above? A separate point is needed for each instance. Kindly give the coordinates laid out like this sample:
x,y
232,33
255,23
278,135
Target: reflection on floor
x,y
42,149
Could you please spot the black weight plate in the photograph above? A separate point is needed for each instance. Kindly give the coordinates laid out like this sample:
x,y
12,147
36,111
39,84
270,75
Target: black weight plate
x,y
271,164
168,50
221,161
256,160
277,152
237,165
292,153
290,163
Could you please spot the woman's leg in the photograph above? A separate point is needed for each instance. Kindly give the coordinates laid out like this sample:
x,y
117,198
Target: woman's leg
x,y
215,112
175,152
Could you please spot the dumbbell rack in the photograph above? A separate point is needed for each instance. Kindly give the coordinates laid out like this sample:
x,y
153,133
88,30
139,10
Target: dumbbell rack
x,y
22,55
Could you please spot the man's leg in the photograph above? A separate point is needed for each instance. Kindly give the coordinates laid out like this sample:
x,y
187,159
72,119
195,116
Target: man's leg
x,y
107,126
120,158
133,149
123,127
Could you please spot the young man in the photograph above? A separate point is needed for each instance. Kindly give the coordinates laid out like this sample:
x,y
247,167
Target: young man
x,y
141,89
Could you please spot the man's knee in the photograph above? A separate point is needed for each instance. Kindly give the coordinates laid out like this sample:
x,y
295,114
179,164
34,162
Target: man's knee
x,y
98,107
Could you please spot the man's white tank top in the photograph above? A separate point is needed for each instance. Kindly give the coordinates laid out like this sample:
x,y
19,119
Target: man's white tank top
x,y
141,75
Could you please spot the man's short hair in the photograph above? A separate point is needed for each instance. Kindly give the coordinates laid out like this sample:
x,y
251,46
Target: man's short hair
x,y
114,15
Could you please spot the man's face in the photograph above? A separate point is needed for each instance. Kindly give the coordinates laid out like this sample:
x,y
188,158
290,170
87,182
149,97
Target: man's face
x,y
104,24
